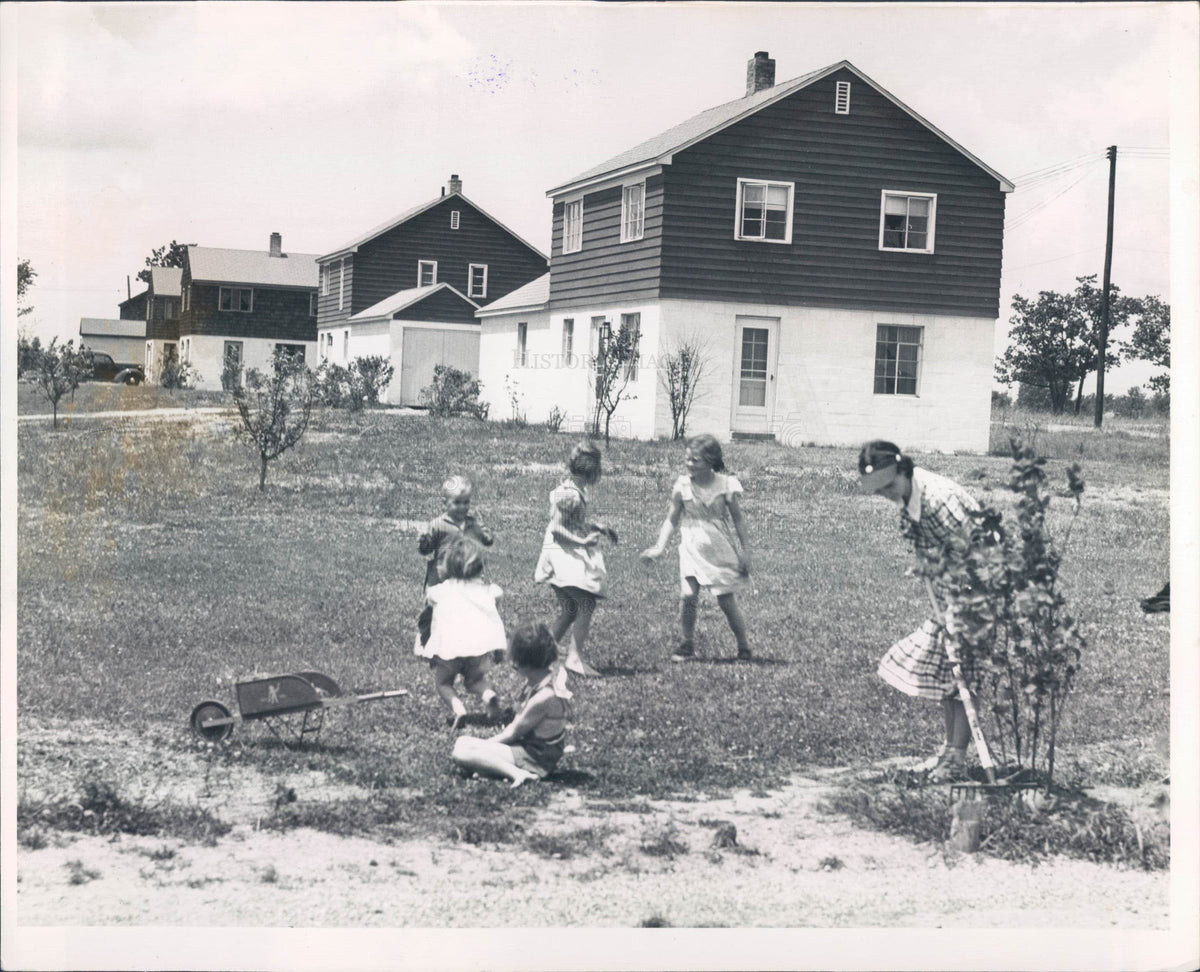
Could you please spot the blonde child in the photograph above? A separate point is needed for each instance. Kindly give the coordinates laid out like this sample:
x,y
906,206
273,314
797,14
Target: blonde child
x,y
466,629
455,521
530,746
712,541
571,561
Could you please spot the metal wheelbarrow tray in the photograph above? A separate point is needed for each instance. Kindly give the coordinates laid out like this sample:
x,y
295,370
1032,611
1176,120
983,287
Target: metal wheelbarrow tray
x,y
272,699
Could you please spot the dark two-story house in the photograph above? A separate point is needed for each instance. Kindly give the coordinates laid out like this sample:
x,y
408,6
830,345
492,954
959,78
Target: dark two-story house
x,y
408,289
833,254
239,306
157,308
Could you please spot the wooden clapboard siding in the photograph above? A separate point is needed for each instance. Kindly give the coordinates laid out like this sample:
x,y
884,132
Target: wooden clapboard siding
x,y
388,263
606,267
280,314
840,164
442,306
328,312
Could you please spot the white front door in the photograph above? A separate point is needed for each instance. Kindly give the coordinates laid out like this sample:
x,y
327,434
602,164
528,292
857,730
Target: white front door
x,y
755,349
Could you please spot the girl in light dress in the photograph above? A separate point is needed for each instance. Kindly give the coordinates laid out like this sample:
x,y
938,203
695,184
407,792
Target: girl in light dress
x,y
530,746
571,561
713,546
465,629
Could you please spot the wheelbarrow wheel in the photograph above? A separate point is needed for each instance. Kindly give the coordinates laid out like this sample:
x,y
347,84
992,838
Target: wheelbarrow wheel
x,y
206,711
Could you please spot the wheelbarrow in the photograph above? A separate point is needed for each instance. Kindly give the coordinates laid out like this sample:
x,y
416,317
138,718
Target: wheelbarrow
x,y
307,694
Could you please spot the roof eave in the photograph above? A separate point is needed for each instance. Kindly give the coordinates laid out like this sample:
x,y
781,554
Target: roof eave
x,y
581,184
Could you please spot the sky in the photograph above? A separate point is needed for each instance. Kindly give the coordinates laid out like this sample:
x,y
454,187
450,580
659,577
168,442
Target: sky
x,y
219,123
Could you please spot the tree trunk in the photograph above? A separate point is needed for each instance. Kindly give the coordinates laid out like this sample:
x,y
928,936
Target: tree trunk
x,y
262,474
1079,395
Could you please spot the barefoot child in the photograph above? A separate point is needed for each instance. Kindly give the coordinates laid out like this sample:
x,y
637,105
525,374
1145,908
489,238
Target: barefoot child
x,y
571,561
434,541
712,541
466,629
530,747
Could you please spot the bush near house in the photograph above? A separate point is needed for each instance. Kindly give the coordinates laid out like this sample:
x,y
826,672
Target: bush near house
x,y
454,392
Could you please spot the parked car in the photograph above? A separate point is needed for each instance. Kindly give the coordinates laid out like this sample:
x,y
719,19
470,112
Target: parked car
x,y
104,368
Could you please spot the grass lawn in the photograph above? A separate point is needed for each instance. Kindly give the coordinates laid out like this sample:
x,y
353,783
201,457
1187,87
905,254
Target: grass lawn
x,y
153,574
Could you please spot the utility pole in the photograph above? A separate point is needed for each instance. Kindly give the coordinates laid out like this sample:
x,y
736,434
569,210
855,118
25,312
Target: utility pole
x,y
1102,343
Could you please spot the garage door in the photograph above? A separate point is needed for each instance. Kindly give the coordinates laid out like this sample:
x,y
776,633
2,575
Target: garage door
x,y
426,347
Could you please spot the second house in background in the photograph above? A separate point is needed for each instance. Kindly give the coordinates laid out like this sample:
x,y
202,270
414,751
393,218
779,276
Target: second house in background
x,y
237,307
408,289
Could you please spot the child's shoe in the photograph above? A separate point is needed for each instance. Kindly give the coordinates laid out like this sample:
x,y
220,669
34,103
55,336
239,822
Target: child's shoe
x,y
951,767
744,654
685,652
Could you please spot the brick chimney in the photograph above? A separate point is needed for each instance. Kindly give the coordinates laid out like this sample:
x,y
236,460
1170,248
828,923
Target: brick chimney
x,y
276,245
760,73
455,184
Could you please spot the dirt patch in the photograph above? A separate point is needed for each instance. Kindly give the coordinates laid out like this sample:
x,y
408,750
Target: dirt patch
x,y
746,860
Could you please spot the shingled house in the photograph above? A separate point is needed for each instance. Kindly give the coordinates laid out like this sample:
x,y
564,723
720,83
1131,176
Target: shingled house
x,y
835,254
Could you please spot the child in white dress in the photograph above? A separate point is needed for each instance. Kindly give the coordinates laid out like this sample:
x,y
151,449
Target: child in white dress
x,y
571,561
466,629
713,546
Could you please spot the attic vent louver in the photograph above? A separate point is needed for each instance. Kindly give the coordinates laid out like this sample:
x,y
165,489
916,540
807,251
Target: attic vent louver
x,y
841,102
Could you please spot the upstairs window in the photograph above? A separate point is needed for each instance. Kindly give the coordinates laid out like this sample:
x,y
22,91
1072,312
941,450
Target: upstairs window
x,y
897,359
312,305
149,307
325,271
841,101
426,273
240,299
522,342
764,211
633,207
477,280
185,297
906,221
454,217
341,283
573,226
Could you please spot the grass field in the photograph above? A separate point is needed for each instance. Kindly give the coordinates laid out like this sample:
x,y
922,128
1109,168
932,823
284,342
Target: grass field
x,y
154,574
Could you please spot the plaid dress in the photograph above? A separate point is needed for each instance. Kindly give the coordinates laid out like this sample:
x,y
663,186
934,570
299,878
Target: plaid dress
x,y
937,509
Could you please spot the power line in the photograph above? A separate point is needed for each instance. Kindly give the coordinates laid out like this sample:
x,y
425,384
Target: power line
x,y
1022,218
1079,159
1066,256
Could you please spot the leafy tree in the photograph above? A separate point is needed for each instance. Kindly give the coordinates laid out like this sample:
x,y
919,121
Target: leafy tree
x,y
1151,340
615,367
172,255
680,372
1090,299
58,369
28,350
274,408
25,275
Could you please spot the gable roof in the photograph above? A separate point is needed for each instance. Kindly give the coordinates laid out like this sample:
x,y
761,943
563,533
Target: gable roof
x,y
659,149
108,327
406,298
166,281
213,264
531,296
408,214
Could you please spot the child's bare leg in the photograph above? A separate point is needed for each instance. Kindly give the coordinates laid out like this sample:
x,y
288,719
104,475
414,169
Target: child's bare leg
x,y
688,605
477,682
737,624
958,729
566,614
584,606
489,758
443,678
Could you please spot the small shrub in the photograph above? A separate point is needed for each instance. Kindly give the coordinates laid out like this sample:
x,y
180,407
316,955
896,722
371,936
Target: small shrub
x,y
337,387
175,374
374,373
516,402
454,392
78,874
662,841
655,921
555,419
831,863
269,875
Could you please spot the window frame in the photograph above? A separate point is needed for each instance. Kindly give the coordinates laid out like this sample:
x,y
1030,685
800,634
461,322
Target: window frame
x,y
568,338
522,344
341,283
471,268
930,232
634,318
739,211
421,264
627,234
895,377
232,291
568,237
326,270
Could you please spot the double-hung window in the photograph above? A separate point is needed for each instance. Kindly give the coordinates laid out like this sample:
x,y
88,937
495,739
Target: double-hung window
x,y
906,221
341,283
477,280
426,273
325,271
764,211
573,226
239,299
633,212
633,324
897,359
522,344
568,340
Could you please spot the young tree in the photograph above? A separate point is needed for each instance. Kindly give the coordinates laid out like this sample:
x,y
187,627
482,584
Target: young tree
x,y
274,408
1151,340
58,369
680,372
25,275
616,366
172,255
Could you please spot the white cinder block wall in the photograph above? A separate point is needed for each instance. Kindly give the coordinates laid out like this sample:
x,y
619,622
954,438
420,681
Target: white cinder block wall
x,y
363,340
824,380
206,354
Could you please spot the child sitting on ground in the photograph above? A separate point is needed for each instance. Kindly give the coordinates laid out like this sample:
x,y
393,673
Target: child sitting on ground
x,y
465,629
434,541
530,747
